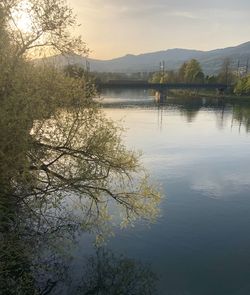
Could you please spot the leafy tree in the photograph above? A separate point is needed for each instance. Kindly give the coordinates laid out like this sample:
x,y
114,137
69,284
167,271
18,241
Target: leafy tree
x,y
57,149
166,77
242,86
75,71
62,162
158,77
193,72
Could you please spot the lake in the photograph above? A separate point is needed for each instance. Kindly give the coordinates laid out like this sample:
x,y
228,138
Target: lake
x,y
198,151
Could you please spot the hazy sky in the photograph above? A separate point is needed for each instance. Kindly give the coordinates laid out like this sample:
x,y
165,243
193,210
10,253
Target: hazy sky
x,y
113,28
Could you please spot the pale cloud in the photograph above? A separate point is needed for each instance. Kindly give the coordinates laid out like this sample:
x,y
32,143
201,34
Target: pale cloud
x,y
185,14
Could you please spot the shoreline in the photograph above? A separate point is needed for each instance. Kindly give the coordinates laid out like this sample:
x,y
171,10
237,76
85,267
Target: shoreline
x,y
200,95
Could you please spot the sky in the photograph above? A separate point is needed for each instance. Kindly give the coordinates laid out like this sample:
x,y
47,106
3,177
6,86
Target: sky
x,y
113,28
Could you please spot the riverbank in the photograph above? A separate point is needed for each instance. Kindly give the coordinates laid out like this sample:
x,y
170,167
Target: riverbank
x,y
208,94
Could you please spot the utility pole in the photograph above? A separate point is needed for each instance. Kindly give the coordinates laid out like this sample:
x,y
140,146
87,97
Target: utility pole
x,y
162,66
238,68
247,66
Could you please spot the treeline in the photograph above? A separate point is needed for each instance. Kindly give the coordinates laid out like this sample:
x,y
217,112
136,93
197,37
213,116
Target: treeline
x,y
189,72
78,71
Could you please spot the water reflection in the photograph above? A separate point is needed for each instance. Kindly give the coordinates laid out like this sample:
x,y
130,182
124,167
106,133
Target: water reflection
x,y
242,115
72,172
203,166
32,263
106,273
200,245
188,107
43,265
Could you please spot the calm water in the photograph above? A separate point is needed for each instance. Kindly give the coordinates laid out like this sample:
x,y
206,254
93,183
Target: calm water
x,y
199,153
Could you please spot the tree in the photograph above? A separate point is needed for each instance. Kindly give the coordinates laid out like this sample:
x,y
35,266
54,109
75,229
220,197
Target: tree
x,y
57,149
225,74
181,72
193,72
62,162
163,77
242,86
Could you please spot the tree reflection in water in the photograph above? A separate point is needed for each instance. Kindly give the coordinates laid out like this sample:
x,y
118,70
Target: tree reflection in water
x,y
190,107
241,113
41,265
107,273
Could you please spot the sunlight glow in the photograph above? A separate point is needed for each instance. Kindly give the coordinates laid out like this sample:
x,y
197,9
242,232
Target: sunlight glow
x,y
22,18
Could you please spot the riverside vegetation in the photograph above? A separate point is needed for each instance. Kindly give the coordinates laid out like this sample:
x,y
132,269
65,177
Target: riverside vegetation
x,y
190,72
62,162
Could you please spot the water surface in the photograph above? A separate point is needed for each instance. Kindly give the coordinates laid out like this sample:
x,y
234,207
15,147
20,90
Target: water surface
x,y
198,150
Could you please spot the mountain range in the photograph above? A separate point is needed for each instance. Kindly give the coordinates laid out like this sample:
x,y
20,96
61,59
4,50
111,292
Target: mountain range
x,y
210,61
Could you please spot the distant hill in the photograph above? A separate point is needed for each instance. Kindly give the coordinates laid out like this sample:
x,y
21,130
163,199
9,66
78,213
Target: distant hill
x,y
210,60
